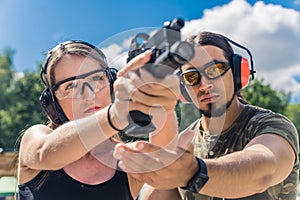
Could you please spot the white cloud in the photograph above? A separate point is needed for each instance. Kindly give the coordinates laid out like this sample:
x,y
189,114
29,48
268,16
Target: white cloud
x,y
284,79
116,53
271,32
116,57
112,51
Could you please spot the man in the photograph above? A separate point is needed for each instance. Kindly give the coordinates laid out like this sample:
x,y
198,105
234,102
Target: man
x,y
246,152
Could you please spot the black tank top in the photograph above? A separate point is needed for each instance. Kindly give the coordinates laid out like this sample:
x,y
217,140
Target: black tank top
x,y
57,185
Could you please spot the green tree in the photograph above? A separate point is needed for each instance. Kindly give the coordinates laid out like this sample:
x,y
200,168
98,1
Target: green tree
x,y
24,110
186,113
6,75
260,94
20,105
293,113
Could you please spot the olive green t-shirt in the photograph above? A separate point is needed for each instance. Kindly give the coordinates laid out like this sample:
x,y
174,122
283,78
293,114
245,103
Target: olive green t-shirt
x,y
252,122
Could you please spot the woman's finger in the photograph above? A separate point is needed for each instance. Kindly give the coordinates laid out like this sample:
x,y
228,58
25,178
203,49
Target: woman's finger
x,y
135,63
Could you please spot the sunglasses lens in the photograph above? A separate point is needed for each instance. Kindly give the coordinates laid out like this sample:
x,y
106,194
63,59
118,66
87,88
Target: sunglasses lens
x,y
216,70
190,77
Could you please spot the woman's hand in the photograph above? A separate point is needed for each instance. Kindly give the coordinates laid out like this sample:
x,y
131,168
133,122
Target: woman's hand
x,y
137,89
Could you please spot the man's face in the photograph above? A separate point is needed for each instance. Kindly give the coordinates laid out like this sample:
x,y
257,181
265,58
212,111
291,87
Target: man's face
x,y
215,90
80,97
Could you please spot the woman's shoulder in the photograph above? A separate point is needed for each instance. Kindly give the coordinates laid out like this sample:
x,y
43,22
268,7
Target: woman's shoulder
x,y
37,129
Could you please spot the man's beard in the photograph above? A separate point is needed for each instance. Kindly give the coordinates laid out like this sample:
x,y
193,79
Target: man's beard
x,y
212,111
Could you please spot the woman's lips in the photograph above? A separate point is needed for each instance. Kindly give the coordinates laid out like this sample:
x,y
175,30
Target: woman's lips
x,y
92,109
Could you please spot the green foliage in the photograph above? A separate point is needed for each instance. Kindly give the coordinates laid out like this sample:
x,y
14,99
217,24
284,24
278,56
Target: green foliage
x,y
20,106
187,113
260,94
293,113
6,74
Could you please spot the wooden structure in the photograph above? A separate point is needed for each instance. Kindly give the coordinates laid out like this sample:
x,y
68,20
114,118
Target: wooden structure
x,y
8,163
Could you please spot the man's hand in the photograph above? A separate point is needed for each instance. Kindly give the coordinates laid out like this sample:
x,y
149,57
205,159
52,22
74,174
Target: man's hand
x,y
158,167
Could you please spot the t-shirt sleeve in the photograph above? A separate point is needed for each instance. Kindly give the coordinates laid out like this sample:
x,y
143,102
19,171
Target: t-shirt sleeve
x,y
280,125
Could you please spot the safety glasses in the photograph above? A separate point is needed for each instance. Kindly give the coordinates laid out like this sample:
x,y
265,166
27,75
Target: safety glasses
x,y
211,71
74,87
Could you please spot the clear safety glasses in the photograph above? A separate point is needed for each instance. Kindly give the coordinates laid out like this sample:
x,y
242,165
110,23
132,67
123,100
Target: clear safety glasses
x,y
74,87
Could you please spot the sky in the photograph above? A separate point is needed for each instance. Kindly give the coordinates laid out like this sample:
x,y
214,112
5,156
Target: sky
x,y
269,29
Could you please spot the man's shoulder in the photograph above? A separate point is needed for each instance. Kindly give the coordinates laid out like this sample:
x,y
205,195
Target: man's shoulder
x,y
262,114
265,122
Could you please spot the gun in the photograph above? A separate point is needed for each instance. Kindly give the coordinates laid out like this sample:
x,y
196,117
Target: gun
x,y
168,54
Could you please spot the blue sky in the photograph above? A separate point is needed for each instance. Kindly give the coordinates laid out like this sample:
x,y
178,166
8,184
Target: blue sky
x,y
31,27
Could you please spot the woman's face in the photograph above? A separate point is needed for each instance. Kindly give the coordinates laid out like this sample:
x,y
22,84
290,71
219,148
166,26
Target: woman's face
x,y
82,101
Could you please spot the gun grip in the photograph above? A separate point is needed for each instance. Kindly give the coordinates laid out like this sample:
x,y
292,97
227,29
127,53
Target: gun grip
x,y
140,125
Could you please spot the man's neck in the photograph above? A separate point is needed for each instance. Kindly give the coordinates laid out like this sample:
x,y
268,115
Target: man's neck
x,y
217,125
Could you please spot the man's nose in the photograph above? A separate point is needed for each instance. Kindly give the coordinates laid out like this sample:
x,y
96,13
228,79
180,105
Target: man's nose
x,y
205,84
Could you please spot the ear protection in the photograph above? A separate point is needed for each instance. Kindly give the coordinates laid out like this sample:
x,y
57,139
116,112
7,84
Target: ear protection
x,y
48,100
241,70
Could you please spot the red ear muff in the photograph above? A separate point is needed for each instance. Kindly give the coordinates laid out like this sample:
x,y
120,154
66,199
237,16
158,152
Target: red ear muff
x,y
245,72
241,72
242,69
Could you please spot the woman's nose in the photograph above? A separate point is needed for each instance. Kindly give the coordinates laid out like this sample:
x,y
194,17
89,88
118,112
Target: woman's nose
x,y
87,90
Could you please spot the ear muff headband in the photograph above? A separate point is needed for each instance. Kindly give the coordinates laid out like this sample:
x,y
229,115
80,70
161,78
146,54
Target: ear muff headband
x,y
240,66
48,100
242,72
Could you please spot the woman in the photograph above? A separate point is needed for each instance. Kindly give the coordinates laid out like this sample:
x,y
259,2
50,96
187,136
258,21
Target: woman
x,y
71,157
